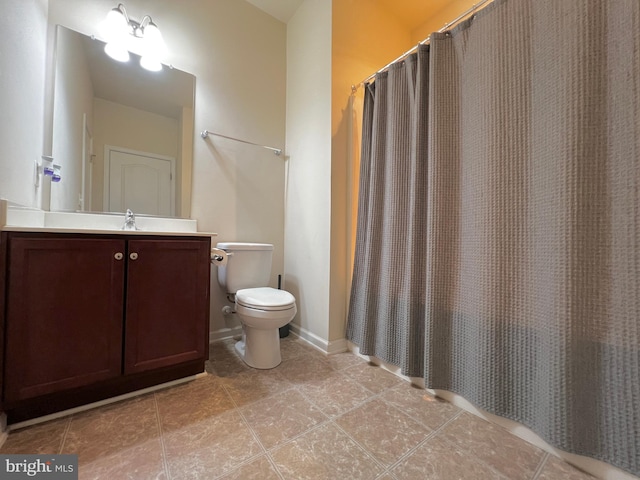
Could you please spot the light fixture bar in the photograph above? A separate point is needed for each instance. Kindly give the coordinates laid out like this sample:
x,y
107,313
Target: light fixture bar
x,y
120,31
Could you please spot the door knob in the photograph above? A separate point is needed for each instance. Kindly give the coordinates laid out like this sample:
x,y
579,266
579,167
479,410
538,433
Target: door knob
x,y
133,256
118,256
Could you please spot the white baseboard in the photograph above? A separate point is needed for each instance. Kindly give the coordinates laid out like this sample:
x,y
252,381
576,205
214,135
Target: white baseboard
x,y
594,467
328,347
100,403
224,334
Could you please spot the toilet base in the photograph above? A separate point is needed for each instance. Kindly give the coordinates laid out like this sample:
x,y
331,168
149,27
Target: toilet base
x,y
260,348
240,348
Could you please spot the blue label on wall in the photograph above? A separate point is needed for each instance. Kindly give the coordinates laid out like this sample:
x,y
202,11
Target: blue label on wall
x,y
50,467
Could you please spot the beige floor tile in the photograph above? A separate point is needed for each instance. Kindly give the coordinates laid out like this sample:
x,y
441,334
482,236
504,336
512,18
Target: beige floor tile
x,y
227,345
140,462
339,361
254,385
258,469
312,369
281,417
192,403
37,439
437,459
291,347
557,469
224,361
336,395
319,416
384,431
420,405
373,377
506,453
209,449
112,429
324,453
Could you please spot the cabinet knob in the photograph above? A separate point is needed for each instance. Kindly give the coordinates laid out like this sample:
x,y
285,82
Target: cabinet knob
x,y
133,256
118,256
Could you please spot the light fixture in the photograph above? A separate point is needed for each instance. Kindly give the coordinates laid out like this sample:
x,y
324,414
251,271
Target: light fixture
x,y
124,35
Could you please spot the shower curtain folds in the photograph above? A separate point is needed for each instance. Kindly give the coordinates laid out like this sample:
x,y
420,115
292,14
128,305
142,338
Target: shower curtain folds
x,y
386,317
497,246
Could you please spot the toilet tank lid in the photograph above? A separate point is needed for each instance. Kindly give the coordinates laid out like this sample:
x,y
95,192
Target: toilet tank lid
x,y
244,246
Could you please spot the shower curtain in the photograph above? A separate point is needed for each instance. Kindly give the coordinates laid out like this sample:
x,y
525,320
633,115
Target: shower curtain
x,y
497,250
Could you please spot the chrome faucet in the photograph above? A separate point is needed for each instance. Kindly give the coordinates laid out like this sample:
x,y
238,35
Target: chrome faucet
x,y
129,221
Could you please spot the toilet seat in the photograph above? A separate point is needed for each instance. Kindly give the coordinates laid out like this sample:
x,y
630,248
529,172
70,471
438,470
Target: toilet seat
x,y
265,298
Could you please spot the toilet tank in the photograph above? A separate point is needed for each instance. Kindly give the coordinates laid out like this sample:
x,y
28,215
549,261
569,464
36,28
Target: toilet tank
x,y
248,265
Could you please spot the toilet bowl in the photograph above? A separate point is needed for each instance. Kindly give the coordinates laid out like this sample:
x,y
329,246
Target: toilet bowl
x,y
262,311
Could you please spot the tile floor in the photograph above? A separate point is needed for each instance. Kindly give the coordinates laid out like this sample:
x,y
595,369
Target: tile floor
x,y
312,417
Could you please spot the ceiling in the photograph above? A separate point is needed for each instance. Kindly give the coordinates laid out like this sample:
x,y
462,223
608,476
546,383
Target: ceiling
x,y
412,13
283,10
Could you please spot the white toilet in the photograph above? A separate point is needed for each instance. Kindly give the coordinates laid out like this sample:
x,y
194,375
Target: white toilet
x,y
262,310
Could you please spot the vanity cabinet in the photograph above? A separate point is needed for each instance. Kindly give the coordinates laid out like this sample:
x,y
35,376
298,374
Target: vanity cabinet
x,y
167,304
63,324
93,316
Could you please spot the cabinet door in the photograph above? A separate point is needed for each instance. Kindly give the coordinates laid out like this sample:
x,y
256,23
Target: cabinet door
x,y
167,306
64,314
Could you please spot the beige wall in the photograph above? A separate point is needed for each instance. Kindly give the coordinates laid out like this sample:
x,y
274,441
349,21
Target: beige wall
x,y
23,27
308,207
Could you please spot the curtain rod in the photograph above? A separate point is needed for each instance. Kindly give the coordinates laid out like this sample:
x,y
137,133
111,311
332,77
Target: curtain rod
x,y
206,133
462,16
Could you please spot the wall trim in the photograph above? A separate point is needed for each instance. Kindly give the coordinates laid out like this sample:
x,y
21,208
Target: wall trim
x,y
100,403
225,333
590,465
327,347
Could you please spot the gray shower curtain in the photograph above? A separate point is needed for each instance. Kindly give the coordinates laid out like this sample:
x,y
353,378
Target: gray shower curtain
x,y
497,246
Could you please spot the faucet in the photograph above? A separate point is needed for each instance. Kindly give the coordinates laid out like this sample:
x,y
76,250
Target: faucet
x,y
129,221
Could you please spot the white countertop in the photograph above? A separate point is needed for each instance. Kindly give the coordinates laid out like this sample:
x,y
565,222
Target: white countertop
x,y
94,231
21,219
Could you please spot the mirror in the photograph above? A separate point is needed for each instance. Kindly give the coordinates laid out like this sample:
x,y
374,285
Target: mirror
x,y
122,135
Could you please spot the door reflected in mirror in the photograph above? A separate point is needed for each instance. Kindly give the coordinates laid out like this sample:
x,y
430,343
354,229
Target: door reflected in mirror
x,y
123,135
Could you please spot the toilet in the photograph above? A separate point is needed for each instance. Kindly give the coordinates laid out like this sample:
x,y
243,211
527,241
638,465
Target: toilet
x,y
262,310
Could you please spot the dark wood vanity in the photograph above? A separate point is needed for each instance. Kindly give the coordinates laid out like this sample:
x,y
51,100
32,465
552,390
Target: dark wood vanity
x,y
90,316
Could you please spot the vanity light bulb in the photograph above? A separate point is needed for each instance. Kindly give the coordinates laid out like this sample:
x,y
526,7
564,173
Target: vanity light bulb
x,y
115,25
117,51
153,37
153,48
150,63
